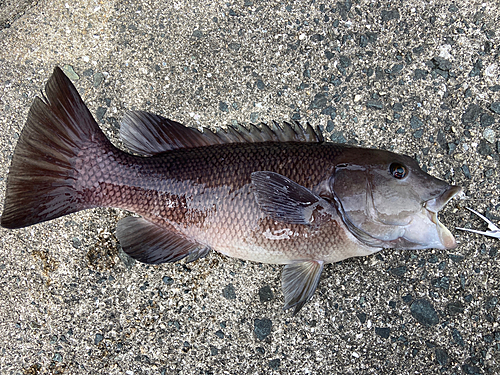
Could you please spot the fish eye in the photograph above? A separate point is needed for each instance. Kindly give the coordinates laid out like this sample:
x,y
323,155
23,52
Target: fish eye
x,y
398,171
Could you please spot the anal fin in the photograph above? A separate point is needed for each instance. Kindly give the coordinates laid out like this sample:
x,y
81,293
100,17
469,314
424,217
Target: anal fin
x,y
150,243
299,281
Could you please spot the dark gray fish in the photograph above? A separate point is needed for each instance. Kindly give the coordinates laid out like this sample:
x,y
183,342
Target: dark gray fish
x,y
273,194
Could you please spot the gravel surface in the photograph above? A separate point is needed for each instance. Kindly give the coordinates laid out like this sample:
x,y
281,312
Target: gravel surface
x,y
416,77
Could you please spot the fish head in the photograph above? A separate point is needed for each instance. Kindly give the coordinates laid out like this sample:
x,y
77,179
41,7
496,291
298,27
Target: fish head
x,y
386,200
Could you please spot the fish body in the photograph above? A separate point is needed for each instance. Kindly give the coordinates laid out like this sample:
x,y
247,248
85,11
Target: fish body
x,y
275,194
206,195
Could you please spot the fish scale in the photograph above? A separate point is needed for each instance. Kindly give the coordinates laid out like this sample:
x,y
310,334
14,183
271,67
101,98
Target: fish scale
x,y
164,188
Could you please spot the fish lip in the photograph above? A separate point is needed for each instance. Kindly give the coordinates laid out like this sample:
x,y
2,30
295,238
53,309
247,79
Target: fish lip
x,y
433,206
436,204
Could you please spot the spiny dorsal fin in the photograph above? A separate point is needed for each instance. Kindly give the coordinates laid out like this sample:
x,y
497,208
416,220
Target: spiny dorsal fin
x,y
149,134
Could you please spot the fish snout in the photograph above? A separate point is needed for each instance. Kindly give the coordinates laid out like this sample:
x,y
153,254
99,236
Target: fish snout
x,y
436,204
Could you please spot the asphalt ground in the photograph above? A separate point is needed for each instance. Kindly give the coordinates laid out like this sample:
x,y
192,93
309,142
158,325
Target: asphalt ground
x,y
415,77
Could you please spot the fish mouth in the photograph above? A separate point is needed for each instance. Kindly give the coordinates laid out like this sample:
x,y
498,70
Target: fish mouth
x,y
436,204
433,206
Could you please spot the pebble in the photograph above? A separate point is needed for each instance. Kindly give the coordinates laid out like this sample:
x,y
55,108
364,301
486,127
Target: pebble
x,y
420,74
433,259
274,363
377,104
99,114
487,120
455,308
407,298
456,258
168,280
441,282
76,242
418,134
466,171
97,79
338,137
398,271
361,316
470,369
416,122
489,135
457,337
390,14
383,332
228,292
219,334
495,107
320,100
441,356
262,328
491,302
329,125
265,293
476,69
344,61
423,311
70,72
471,114
441,63
330,111
223,107
98,338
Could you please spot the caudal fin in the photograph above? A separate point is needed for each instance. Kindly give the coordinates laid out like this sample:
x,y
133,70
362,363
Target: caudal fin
x,y
42,176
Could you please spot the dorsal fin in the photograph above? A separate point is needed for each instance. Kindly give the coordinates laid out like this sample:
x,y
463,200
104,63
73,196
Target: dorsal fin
x,y
149,134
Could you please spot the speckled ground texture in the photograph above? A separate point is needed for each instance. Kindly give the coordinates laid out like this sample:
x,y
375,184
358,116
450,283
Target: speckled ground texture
x,y
416,77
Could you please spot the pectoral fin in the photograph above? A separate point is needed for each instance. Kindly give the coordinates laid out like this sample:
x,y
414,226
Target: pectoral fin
x,y
283,199
299,281
150,243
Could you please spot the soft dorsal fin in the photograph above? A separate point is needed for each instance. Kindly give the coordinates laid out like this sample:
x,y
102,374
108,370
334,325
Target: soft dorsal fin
x,y
149,134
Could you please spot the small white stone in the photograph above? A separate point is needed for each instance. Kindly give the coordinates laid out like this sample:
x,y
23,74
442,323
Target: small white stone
x,y
355,355
357,98
489,135
490,70
444,52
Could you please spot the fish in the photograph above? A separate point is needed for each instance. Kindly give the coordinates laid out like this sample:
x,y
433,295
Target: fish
x,y
276,193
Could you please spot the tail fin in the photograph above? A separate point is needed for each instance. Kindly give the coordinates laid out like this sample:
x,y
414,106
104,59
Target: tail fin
x,y
40,184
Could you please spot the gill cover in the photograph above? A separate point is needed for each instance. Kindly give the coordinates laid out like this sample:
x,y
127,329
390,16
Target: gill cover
x,y
386,200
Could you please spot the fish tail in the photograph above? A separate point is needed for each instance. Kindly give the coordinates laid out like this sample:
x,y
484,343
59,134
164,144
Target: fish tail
x,y
43,179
